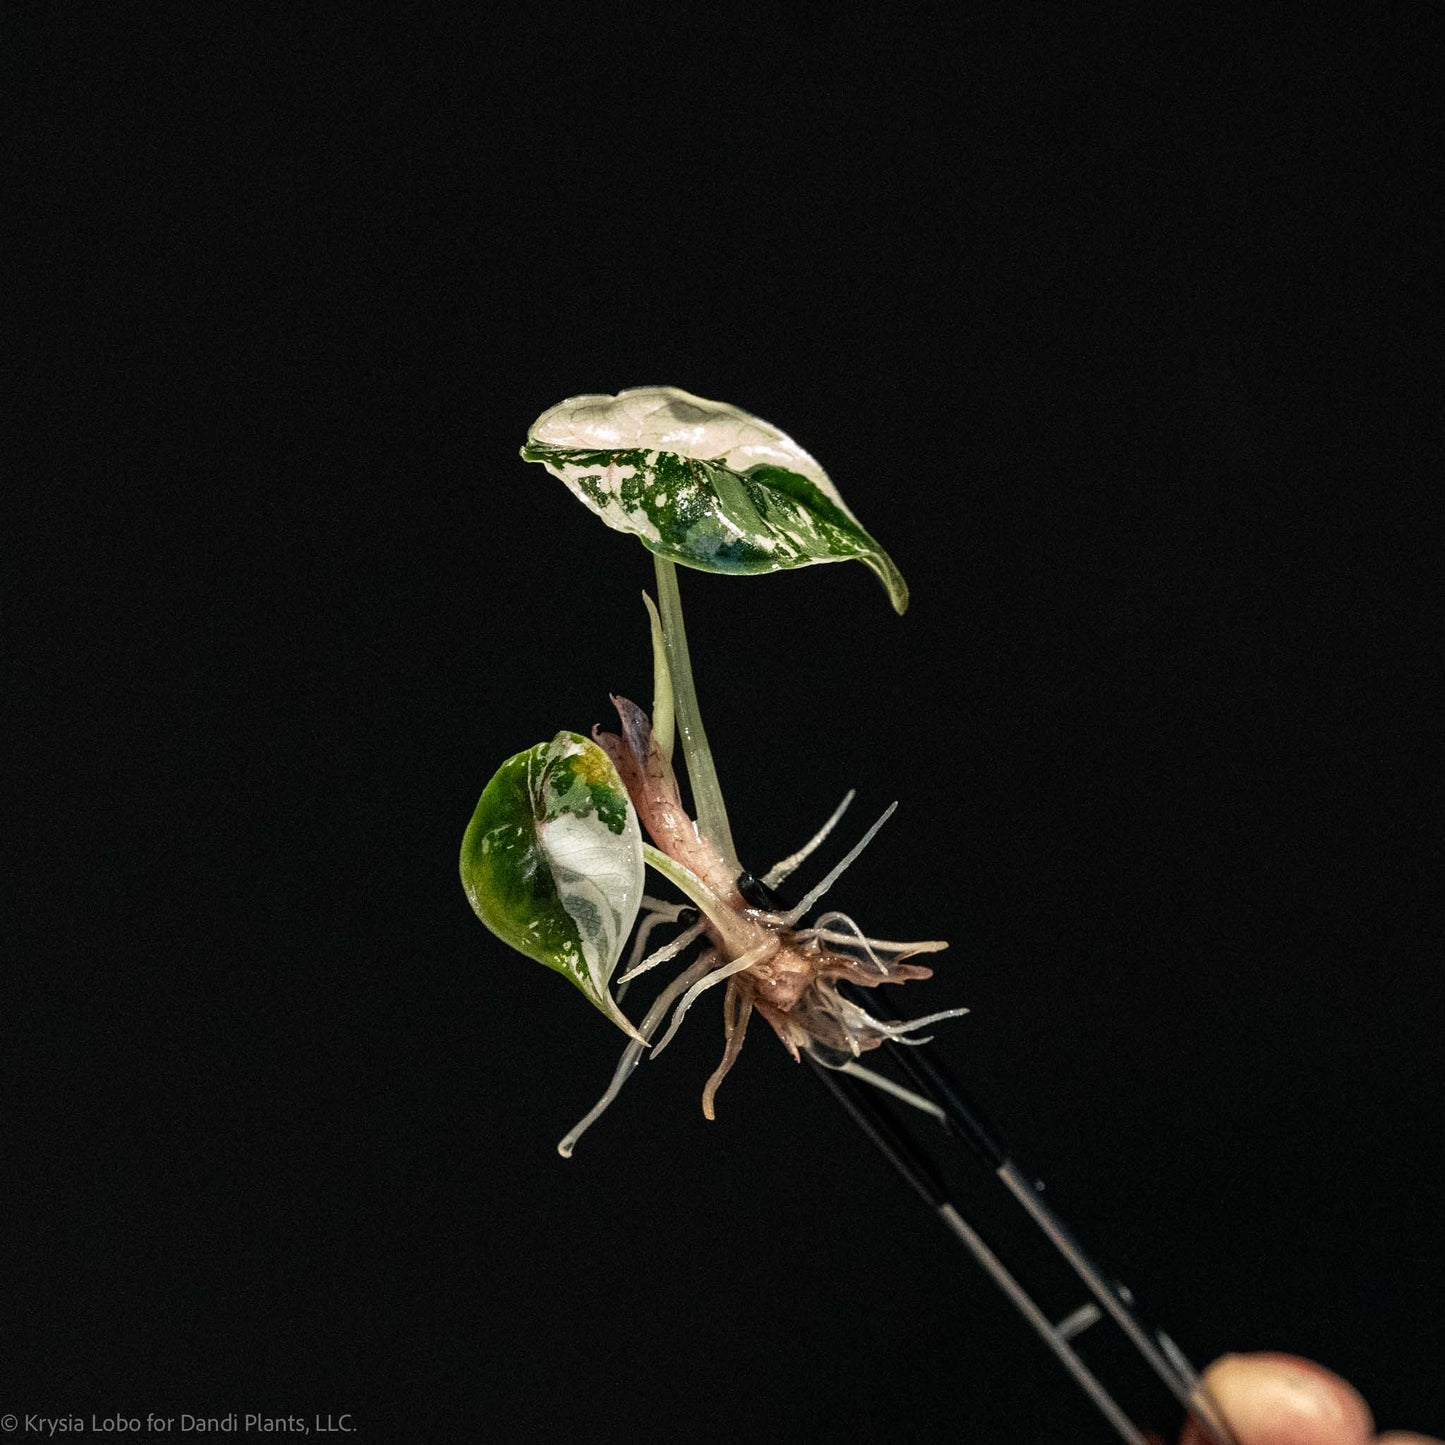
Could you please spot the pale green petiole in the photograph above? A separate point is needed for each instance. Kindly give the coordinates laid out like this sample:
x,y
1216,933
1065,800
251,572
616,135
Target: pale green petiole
x,y
712,816
661,684
735,934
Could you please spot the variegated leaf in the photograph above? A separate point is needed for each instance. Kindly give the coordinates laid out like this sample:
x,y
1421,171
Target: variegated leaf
x,y
704,484
552,862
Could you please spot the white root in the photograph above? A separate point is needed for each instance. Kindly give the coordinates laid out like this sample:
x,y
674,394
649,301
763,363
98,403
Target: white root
x,y
880,1081
665,954
670,911
656,911
850,934
633,1051
789,918
752,956
862,1019
878,945
779,871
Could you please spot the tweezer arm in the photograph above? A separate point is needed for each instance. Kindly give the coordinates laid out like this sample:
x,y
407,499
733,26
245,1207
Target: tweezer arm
x,y
963,1119
880,1127
966,1123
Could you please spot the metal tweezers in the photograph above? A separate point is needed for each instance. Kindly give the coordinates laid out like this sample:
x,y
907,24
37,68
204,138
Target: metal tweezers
x,y
1138,1377
1134,1373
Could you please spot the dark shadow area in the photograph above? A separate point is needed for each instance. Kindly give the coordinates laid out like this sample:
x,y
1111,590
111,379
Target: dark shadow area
x,y
1110,336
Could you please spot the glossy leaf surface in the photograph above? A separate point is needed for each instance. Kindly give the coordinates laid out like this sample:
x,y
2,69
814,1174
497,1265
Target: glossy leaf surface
x,y
703,484
552,862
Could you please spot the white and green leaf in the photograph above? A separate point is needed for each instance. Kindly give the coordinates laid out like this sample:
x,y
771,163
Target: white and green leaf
x,y
552,862
703,484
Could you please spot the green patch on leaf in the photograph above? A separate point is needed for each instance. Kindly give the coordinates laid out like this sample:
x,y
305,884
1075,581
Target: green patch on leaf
x,y
552,862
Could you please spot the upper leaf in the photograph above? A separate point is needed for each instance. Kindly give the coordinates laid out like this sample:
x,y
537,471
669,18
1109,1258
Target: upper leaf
x,y
552,862
703,483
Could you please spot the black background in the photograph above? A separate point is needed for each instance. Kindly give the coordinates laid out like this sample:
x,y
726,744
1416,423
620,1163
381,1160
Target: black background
x,y
1107,328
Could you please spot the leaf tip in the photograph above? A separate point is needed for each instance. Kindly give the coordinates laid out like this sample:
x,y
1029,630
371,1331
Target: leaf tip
x,y
608,1005
888,574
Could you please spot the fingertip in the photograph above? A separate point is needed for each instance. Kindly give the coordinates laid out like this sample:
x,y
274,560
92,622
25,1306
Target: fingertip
x,y
1274,1399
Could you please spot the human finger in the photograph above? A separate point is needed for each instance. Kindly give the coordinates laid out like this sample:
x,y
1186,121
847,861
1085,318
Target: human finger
x,y
1274,1399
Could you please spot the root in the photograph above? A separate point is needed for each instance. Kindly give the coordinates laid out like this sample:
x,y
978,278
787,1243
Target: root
x,y
881,1081
656,912
779,871
848,933
633,1052
752,956
665,954
838,928
788,1033
737,1009
791,917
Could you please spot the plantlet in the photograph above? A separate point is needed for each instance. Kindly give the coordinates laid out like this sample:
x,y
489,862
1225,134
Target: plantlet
x,y
553,863
554,856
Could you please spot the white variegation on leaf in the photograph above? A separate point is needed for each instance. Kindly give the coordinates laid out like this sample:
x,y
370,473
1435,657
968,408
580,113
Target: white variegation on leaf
x,y
668,419
552,862
703,483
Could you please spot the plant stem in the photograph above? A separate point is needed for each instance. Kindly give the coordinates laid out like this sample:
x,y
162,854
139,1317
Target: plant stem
x,y
736,934
712,816
661,683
